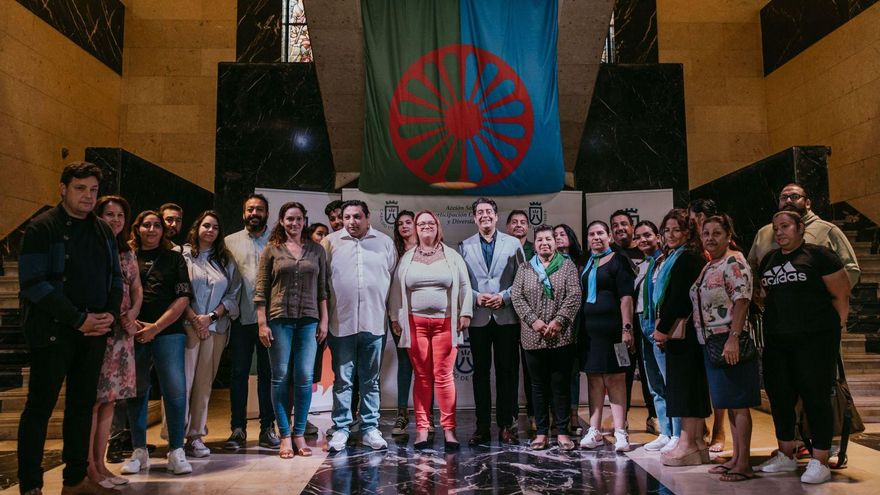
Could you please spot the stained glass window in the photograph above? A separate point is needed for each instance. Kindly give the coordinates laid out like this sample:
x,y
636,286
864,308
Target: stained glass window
x,y
295,37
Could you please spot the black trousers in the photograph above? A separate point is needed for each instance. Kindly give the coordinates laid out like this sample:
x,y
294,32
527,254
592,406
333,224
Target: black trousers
x,y
804,367
643,376
527,384
77,359
244,340
503,340
551,386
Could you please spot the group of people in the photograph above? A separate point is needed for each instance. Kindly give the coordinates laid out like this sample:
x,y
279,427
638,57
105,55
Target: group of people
x,y
105,303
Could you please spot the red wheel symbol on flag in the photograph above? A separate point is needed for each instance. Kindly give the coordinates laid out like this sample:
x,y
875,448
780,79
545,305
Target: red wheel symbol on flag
x,y
461,117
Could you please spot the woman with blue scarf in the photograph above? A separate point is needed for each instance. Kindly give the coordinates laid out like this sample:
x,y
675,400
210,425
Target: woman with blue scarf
x,y
546,295
687,391
608,281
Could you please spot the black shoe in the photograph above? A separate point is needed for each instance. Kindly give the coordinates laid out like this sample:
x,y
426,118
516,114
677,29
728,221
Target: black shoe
x,y
269,439
508,435
451,446
238,440
311,430
479,438
151,448
421,445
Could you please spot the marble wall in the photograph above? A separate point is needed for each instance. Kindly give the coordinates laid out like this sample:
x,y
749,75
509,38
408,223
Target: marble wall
x,y
95,25
271,132
635,32
146,185
791,26
258,37
750,195
634,137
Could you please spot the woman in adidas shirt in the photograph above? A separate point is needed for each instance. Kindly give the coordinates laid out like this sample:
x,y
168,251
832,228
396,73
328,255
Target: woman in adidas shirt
x,y
807,302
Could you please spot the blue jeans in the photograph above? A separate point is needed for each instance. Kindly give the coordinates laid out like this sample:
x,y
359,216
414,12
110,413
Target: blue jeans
x,y
362,352
293,349
166,354
655,368
243,341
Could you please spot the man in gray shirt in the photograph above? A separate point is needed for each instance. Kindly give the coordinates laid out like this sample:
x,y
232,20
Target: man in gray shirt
x,y
246,246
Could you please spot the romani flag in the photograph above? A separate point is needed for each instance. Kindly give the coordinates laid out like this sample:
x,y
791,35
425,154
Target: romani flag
x,y
461,97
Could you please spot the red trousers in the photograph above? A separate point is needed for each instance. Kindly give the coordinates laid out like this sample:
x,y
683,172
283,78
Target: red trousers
x,y
433,357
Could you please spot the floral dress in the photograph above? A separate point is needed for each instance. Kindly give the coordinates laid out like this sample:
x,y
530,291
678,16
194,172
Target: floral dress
x,y
118,377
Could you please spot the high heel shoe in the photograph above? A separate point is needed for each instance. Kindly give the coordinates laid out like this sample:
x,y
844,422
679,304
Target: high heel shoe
x,y
451,446
693,458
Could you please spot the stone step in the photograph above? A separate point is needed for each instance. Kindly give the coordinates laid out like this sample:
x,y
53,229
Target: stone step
x,y
869,409
9,421
9,284
853,343
870,277
9,300
861,364
15,354
13,401
864,385
10,269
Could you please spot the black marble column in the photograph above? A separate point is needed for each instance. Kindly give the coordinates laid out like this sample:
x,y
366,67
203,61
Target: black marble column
x,y
270,133
635,136
789,27
258,36
146,185
95,25
635,32
750,195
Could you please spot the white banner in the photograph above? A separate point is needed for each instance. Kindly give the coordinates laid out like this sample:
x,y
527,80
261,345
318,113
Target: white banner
x,y
641,205
458,224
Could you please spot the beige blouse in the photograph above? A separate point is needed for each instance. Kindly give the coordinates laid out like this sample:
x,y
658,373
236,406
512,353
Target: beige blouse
x,y
530,303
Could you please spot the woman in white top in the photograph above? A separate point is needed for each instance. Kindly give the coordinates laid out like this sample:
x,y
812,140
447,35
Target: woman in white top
x,y
431,306
216,283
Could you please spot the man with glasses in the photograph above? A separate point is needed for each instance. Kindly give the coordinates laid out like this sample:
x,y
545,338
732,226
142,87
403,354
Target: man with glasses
x,y
172,216
795,198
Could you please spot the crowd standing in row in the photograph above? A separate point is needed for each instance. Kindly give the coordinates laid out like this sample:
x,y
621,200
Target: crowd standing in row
x,y
105,304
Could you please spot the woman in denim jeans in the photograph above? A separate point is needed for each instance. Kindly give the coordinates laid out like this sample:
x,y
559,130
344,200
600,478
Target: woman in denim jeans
x,y
291,300
160,342
647,238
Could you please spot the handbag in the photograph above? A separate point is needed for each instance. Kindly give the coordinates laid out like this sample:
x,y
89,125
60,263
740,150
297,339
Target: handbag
x,y
715,341
679,329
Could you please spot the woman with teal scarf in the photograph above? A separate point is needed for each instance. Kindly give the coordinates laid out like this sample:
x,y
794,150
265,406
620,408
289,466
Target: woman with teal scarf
x,y
608,281
687,390
546,295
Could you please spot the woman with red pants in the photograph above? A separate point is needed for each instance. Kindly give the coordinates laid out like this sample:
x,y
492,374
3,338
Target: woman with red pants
x,y
430,308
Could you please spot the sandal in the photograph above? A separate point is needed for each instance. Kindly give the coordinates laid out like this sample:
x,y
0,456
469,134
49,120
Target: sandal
x,y
540,445
717,447
733,477
719,469
565,446
285,453
304,452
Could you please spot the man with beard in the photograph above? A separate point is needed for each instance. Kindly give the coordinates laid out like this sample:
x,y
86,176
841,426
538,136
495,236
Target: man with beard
x,y
333,210
245,246
172,216
518,226
622,232
795,198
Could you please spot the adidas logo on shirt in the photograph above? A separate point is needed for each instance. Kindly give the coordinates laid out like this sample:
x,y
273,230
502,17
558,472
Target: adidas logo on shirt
x,y
782,274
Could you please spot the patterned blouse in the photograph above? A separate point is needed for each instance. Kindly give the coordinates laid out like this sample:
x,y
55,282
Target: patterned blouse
x,y
722,283
530,303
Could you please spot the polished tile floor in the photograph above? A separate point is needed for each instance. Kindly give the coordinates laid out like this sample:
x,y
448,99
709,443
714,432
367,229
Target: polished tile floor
x,y
492,469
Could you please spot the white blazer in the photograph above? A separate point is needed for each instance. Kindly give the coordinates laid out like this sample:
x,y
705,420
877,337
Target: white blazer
x,y
495,279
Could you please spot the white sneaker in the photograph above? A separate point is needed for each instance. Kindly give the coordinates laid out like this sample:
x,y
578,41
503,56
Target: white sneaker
x,y
673,441
338,441
140,459
816,473
198,449
657,444
374,440
177,462
621,440
780,463
592,439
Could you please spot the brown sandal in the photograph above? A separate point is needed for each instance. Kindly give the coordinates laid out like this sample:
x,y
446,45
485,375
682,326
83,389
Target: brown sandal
x,y
304,452
540,445
285,453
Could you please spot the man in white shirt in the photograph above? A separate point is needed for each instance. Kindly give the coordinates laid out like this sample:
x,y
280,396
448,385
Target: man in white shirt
x,y
245,246
361,261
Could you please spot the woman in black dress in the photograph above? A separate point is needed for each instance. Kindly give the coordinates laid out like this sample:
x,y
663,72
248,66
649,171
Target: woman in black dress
x,y
608,281
687,391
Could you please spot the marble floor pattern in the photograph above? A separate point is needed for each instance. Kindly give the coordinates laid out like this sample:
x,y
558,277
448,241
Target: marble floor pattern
x,y
491,469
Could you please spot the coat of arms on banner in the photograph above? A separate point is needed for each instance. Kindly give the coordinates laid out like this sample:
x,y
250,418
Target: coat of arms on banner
x,y
536,213
390,212
633,214
464,363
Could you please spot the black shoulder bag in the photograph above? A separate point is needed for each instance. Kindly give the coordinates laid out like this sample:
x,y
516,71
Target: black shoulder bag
x,y
715,341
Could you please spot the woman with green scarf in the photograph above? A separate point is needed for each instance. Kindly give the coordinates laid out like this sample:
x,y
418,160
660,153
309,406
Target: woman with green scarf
x,y
546,295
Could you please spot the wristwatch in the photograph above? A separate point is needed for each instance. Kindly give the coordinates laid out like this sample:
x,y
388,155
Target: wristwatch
x,y
628,327
213,316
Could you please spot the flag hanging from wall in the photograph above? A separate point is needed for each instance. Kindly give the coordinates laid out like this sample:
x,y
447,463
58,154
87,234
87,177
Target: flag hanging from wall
x,y
461,97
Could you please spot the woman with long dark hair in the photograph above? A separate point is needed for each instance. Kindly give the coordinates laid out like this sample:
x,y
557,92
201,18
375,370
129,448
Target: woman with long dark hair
x,y
405,238
567,244
117,380
160,342
291,298
687,392
216,284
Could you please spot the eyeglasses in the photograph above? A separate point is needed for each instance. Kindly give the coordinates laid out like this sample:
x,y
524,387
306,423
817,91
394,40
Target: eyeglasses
x,y
791,197
422,225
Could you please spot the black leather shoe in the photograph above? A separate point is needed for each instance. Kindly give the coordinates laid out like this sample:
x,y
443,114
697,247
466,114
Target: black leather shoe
x,y
479,438
269,439
451,446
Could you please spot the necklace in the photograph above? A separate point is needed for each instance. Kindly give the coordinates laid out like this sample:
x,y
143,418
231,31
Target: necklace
x,y
427,253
